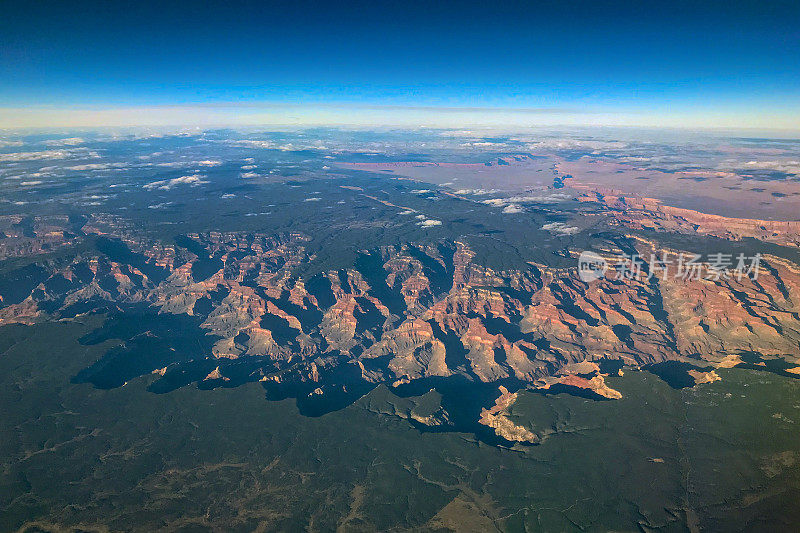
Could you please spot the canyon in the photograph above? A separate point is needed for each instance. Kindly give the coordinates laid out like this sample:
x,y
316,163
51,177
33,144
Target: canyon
x,y
399,316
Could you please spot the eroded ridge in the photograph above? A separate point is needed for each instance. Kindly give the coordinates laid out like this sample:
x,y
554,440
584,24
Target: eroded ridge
x,y
399,315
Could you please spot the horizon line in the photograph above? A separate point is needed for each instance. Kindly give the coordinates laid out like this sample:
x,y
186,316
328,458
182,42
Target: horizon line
x,y
360,115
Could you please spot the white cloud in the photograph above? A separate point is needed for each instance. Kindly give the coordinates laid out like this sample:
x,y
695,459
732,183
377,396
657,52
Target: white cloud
x,y
481,144
249,175
429,223
560,228
548,199
516,200
576,144
96,166
251,143
192,180
787,167
512,208
39,175
190,164
93,166
78,153
159,206
496,202
176,164
476,191
70,141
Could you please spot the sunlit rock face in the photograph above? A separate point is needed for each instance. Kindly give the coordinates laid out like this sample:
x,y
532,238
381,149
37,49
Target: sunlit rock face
x,y
406,313
650,213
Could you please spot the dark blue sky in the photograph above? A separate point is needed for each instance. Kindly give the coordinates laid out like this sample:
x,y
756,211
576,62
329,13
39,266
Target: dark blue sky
x,y
605,56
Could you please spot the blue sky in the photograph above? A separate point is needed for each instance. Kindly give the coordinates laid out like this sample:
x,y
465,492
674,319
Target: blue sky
x,y
672,62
